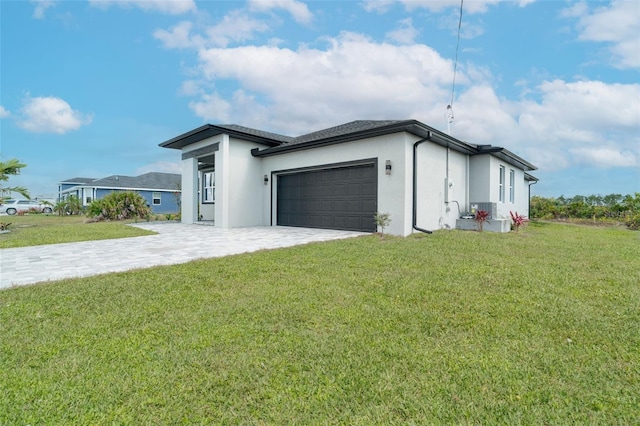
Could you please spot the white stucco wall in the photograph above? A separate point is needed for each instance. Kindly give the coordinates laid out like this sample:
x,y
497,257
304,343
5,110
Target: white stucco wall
x,y
439,195
480,178
394,196
246,186
191,204
521,202
189,182
484,185
447,181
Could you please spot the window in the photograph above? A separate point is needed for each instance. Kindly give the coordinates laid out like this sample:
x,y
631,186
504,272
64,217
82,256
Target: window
x,y
208,187
512,189
502,172
156,198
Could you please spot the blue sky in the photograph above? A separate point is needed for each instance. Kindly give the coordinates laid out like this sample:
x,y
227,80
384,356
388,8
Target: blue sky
x,y
90,88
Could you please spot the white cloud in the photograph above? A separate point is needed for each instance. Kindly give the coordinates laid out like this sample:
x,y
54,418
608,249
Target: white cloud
x,y
586,122
212,107
170,7
179,37
41,7
405,34
298,10
379,6
237,26
557,124
50,115
606,157
352,76
575,10
160,167
617,24
4,113
190,88
471,7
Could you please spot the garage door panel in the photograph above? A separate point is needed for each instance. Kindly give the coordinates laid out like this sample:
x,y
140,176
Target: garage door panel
x,y
339,205
339,189
354,206
326,190
335,198
339,222
369,205
354,189
354,221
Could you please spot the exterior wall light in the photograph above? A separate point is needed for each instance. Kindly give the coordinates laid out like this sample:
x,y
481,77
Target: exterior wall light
x,y
387,167
266,179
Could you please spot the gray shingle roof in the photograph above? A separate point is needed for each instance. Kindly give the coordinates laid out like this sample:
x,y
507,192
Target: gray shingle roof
x,y
79,180
344,129
354,130
153,180
256,132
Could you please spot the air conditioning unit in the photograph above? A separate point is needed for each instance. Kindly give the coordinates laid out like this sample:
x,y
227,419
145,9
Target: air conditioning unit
x,y
492,208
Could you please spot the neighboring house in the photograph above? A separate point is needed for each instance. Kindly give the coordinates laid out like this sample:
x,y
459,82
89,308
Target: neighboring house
x,y
161,190
339,177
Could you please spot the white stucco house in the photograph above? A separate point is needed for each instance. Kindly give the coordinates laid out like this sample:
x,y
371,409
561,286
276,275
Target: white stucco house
x,y
338,178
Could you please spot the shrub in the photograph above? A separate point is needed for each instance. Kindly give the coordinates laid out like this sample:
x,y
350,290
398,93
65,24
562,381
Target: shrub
x,y
518,220
68,206
120,205
382,220
482,216
633,222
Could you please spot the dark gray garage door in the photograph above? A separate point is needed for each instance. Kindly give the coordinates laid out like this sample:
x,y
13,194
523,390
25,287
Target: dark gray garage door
x,y
337,198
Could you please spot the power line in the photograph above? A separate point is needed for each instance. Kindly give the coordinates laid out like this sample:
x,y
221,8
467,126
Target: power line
x,y
455,64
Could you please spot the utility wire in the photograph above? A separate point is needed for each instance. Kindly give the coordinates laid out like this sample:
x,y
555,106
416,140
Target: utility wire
x,y
455,64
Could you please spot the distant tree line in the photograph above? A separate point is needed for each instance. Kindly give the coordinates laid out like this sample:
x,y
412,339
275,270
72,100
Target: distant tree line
x,y
612,207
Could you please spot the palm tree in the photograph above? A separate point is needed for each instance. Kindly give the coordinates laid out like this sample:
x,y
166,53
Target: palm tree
x,y
11,168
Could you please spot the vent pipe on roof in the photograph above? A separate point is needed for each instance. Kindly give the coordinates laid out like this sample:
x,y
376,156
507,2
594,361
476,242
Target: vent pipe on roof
x,y
415,183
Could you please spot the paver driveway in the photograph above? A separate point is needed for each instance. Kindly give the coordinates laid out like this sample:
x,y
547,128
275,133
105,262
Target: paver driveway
x,y
174,243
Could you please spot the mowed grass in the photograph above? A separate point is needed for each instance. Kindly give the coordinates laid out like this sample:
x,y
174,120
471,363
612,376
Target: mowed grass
x,y
40,229
539,327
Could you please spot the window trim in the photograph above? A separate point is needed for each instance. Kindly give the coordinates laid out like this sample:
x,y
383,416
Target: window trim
x,y
211,186
512,186
156,195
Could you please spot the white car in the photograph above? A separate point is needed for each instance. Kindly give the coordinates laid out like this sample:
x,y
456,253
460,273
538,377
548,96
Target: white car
x,y
12,206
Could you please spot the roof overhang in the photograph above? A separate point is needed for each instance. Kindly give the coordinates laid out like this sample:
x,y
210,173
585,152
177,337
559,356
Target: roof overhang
x,y
413,127
530,177
278,144
507,156
208,131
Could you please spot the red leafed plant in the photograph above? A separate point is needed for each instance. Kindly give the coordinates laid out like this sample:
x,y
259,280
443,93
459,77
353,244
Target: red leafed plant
x,y
518,220
482,216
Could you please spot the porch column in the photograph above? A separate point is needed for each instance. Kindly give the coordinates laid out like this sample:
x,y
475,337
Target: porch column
x,y
223,206
189,190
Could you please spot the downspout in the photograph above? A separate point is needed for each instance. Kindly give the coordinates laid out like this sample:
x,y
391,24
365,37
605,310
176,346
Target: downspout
x,y
529,204
415,183
466,191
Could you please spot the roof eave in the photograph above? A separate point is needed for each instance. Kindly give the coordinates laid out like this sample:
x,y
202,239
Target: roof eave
x,y
209,130
508,156
409,126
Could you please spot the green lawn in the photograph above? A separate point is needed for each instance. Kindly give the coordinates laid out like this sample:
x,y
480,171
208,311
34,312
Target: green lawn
x,y
539,327
39,229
